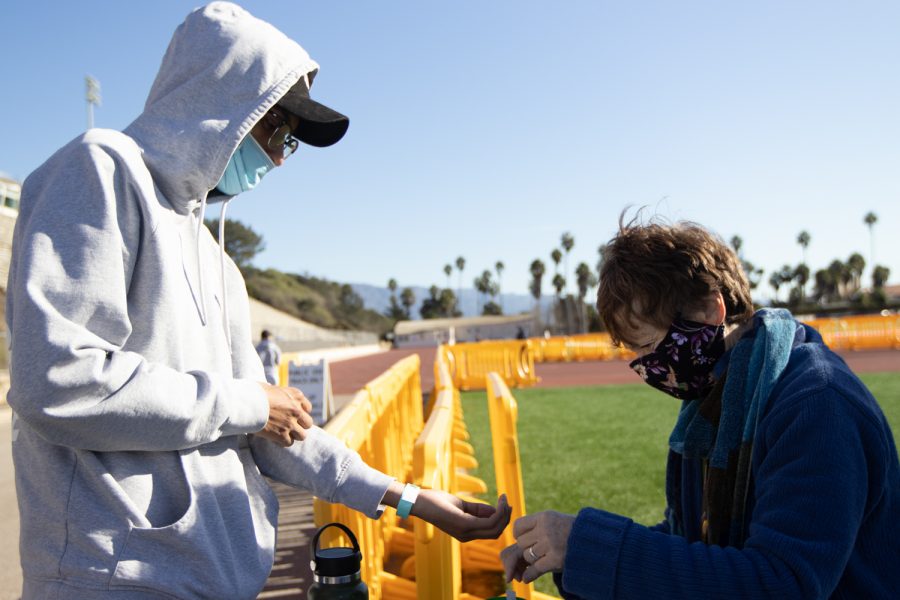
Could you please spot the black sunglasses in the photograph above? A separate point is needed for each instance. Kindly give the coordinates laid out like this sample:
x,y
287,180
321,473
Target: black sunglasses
x,y
281,138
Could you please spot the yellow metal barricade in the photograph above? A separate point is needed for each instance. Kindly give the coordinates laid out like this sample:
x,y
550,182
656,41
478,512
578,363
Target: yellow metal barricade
x,y
437,560
382,423
582,347
861,332
469,363
504,415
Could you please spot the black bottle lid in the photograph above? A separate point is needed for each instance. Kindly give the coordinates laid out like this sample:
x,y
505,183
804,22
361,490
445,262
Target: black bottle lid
x,y
335,562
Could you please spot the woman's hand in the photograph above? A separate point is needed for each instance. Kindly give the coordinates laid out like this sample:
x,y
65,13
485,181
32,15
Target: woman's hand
x,y
463,520
541,541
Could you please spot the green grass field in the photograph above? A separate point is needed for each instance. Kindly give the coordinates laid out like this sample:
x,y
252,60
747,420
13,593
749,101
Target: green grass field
x,y
602,446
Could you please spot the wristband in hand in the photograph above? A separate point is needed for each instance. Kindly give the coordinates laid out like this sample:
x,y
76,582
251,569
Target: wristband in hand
x,y
407,499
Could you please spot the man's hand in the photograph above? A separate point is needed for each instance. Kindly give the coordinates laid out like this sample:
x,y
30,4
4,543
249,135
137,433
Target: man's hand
x,y
463,520
289,416
541,542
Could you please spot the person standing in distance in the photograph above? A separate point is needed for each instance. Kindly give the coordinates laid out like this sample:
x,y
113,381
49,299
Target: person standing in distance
x,y
142,422
269,355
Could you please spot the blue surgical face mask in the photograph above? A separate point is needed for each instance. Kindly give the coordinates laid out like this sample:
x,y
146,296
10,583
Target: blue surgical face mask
x,y
245,169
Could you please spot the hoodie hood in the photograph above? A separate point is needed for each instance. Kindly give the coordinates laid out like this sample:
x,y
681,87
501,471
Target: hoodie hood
x,y
223,70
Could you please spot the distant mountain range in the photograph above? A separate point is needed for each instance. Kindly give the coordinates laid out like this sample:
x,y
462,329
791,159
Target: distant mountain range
x,y
379,299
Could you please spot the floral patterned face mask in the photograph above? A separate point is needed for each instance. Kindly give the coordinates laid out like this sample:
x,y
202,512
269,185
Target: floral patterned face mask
x,y
682,364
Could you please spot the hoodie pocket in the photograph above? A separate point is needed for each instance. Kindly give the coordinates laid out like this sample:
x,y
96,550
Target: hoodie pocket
x,y
220,548
110,493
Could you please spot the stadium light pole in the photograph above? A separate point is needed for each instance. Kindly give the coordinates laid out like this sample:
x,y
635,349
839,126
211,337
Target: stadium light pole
x,y
92,96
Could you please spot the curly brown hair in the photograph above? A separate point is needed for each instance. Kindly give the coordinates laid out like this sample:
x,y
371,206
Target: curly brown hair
x,y
653,272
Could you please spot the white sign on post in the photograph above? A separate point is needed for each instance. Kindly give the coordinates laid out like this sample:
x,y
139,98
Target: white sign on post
x,y
314,380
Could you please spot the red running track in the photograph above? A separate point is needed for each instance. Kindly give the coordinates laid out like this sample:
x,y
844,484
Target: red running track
x,y
348,376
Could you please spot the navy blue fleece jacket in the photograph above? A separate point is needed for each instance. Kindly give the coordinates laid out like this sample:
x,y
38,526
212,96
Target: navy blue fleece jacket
x,y
825,511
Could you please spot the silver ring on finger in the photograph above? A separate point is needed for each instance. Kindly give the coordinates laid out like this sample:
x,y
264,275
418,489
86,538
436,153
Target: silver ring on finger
x,y
530,555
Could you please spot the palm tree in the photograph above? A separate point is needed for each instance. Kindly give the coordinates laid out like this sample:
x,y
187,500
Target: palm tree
x,y
567,242
856,264
448,270
801,275
840,274
460,265
408,299
585,279
559,282
736,243
499,267
485,286
880,276
803,239
825,288
870,219
537,275
600,250
394,311
556,255
775,282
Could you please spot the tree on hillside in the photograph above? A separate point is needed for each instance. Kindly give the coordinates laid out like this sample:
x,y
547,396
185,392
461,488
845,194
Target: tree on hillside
x,y
440,304
491,308
567,242
803,238
407,299
241,243
350,300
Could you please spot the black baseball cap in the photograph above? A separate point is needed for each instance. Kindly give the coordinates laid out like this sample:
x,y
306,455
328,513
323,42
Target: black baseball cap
x,y
319,125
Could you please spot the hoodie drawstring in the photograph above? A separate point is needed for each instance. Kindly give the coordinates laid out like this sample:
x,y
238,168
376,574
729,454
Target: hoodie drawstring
x,y
222,273
203,319
199,266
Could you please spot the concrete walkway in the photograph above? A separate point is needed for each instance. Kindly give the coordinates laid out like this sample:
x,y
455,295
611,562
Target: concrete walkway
x,y
11,573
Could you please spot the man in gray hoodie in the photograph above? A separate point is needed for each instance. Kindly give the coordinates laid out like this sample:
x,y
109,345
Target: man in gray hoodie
x,y
142,424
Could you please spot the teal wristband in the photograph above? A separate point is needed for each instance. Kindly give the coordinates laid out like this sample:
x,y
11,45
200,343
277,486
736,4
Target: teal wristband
x,y
407,499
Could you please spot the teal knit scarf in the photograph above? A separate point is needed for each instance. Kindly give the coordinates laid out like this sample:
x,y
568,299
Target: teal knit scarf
x,y
720,428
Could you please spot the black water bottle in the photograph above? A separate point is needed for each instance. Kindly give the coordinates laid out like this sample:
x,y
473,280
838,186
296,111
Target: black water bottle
x,y
336,571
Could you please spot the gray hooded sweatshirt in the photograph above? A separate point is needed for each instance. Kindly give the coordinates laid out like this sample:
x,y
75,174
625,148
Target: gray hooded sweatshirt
x,y
135,473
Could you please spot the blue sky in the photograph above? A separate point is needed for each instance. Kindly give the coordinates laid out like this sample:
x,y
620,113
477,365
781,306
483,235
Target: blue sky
x,y
487,129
